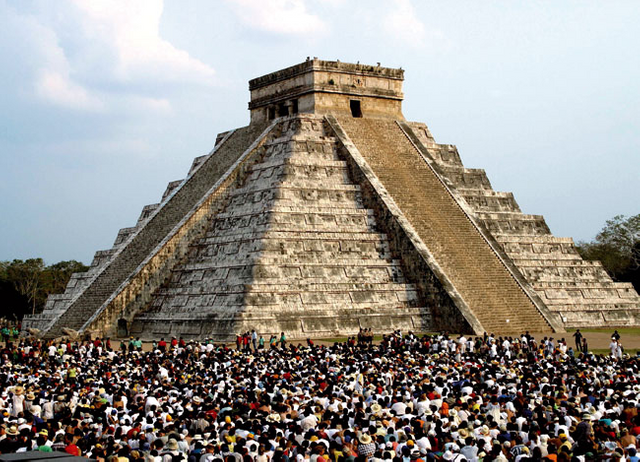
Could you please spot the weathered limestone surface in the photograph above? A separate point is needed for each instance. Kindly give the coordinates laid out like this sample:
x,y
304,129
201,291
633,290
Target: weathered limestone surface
x,y
295,250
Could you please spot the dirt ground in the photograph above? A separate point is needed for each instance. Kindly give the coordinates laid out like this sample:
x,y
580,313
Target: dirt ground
x,y
598,340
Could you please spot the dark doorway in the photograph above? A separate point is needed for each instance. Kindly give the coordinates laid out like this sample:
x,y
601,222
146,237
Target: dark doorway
x,y
356,111
123,330
272,112
282,110
294,106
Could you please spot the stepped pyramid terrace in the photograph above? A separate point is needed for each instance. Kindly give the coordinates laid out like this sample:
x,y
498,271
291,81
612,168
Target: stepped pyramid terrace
x,y
329,213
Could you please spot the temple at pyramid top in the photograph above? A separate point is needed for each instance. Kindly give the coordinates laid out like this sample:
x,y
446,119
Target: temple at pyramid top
x,y
327,214
323,87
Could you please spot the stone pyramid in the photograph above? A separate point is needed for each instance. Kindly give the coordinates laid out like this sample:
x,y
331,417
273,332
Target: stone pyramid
x,y
329,213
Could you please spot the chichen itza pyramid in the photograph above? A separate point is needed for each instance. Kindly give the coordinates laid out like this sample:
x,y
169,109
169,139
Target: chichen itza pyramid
x,y
328,213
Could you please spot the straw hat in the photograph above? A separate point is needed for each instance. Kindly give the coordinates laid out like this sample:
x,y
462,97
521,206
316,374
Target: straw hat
x,y
18,390
172,444
30,396
364,439
376,408
12,430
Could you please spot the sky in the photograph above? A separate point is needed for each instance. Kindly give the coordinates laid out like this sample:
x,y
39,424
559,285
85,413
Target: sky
x,y
104,102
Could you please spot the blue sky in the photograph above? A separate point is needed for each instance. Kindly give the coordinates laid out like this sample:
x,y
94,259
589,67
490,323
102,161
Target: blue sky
x,y
102,103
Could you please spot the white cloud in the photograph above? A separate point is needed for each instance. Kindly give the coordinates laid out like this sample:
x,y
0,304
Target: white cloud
x,y
132,29
102,55
57,88
402,23
157,105
45,65
286,17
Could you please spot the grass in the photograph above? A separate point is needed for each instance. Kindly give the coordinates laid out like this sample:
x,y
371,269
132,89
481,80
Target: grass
x,y
621,330
605,351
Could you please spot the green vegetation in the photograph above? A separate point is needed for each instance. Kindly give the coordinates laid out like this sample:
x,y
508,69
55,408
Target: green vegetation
x,y
605,351
621,330
617,246
26,284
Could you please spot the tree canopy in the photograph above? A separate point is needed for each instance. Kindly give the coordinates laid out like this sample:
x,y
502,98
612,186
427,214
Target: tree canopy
x,y
617,246
26,284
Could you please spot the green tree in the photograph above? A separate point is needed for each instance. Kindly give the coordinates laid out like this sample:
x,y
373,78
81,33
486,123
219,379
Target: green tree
x,y
25,285
617,246
26,278
55,277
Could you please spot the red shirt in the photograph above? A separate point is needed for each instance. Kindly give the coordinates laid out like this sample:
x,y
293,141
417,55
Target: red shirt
x,y
73,450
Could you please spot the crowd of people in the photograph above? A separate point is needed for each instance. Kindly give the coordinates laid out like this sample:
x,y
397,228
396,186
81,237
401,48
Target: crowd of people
x,y
406,398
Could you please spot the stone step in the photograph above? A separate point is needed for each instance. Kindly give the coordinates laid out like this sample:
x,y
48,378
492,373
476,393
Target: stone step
x,y
610,284
147,211
300,161
123,235
323,154
363,274
594,306
288,259
279,262
284,286
329,248
563,274
290,236
529,239
513,223
348,224
285,185
283,206
549,259
286,210
585,294
568,263
211,302
101,257
444,154
594,303
305,221
466,178
292,175
309,310
484,200
313,196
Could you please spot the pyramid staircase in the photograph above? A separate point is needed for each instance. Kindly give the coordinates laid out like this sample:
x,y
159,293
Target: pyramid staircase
x,y
486,285
580,292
